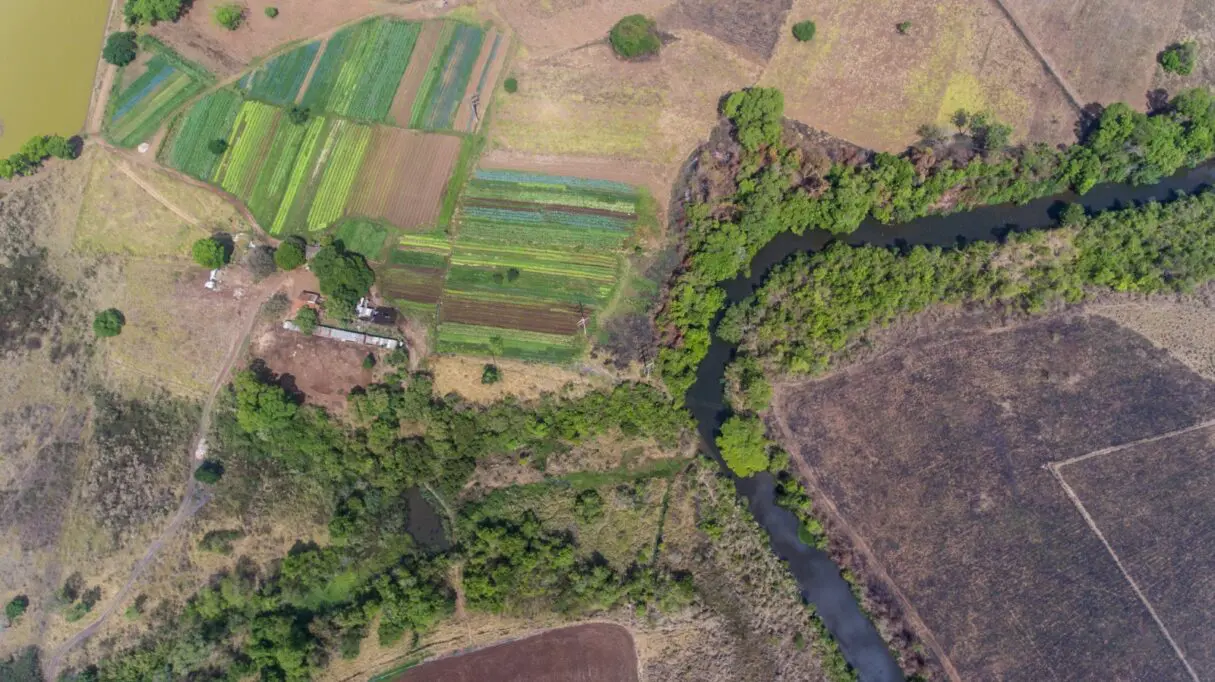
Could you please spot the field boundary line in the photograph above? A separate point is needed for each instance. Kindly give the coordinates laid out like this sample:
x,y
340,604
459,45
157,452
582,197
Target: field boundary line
x,y
1040,54
1142,441
155,194
1088,519
875,567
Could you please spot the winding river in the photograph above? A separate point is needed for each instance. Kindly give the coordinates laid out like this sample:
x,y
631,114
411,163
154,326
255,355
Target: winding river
x,y
816,574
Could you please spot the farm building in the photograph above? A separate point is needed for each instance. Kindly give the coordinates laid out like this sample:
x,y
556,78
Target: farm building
x,y
349,336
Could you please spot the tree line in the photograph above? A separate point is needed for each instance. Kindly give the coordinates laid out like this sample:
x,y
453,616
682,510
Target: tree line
x,y
29,158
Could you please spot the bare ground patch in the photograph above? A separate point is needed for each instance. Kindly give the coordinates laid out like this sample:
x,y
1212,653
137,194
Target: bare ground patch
x,y
405,176
323,370
933,456
861,80
751,26
553,26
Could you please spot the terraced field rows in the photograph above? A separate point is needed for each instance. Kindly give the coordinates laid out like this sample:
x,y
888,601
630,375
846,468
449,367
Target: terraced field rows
x,y
139,109
413,277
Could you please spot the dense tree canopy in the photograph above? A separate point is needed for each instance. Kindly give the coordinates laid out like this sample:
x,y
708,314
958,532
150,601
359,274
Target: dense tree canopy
x,y
344,275
120,48
290,254
759,114
31,155
151,11
1179,58
635,36
743,445
210,253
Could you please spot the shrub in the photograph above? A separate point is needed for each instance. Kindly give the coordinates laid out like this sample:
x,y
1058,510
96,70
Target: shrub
x,y
743,445
261,262
230,15
219,541
120,48
588,506
217,146
758,114
491,374
108,323
1072,215
209,472
290,254
344,277
272,12
298,115
990,134
307,320
804,31
398,358
209,253
903,27
369,361
635,36
510,85
1179,58
16,607
151,11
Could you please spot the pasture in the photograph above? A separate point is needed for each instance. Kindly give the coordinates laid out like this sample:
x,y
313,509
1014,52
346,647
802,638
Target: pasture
x,y
137,109
937,457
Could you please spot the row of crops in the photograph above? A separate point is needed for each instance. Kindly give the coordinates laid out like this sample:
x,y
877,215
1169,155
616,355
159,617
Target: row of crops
x,y
361,69
137,109
534,255
279,80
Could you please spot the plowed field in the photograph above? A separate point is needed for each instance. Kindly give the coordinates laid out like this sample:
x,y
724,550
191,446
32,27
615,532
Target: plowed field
x,y
549,318
404,177
585,653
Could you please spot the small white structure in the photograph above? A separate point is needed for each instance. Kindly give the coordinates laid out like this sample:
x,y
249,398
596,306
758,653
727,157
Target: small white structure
x,y
363,310
143,148
348,336
213,282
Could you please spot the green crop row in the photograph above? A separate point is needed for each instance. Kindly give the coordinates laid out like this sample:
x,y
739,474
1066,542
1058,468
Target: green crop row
x,y
550,262
326,73
144,118
465,48
493,284
310,148
437,242
340,175
272,179
438,59
552,196
254,125
279,81
361,69
476,340
210,119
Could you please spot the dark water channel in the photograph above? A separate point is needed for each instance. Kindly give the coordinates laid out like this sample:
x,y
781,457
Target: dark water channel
x,y
816,574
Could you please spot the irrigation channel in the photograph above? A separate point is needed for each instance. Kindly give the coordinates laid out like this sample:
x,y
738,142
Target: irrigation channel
x,y
816,574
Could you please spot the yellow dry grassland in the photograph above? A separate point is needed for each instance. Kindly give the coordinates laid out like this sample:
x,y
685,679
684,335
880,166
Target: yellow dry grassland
x,y
526,381
589,103
553,26
860,79
177,333
1185,328
140,211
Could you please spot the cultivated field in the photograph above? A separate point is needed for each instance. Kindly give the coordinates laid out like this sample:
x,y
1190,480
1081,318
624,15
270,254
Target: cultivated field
x,y
279,80
1152,502
934,457
404,177
861,80
586,652
138,108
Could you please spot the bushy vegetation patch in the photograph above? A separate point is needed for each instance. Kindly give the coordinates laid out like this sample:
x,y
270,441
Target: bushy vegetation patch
x,y
1122,145
1179,58
804,31
37,149
120,48
229,15
139,12
107,323
635,36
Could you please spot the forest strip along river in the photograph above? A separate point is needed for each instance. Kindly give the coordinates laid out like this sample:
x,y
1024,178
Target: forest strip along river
x,y
815,572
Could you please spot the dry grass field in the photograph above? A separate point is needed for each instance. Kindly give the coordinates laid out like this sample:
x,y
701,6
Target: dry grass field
x,y
1152,502
523,380
861,80
933,455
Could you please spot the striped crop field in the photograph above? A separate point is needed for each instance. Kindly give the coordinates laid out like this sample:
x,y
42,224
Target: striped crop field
x,y
342,170
413,276
361,69
271,183
252,136
211,118
442,88
405,177
483,80
139,109
534,256
278,81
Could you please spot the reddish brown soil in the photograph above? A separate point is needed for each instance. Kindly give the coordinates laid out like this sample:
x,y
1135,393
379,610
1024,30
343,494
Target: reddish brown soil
x,y
405,176
402,104
420,285
554,319
323,370
1154,504
585,653
933,456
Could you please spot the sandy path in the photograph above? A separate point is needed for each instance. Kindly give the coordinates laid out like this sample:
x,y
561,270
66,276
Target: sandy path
x,y
180,212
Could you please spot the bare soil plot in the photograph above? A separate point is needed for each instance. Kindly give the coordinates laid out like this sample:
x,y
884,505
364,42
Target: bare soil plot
x,y
600,652
550,318
1153,503
415,72
324,370
404,177
861,80
751,26
934,456
553,26
1106,50
524,380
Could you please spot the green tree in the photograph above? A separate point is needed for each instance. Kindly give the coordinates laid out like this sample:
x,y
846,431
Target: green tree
x,y
230,15
209,472
16,607
1179,58
307,320
804,31
758,114
511,85
635,36
298,115
151,11
210,253
743,445
217,146
344,276
290,254
369,361
108,323
261,409
120,48
491,374
272,12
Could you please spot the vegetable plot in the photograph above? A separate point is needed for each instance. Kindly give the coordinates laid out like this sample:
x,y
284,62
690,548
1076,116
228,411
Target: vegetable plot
x,y
186,148
140,108
279,80
361,69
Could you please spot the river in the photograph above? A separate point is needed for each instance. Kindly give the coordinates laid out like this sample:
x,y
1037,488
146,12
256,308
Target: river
x,y
48,56
816,574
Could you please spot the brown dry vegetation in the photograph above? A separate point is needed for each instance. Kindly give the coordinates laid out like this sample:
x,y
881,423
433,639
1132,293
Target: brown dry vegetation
x,y
932,455
1183,326
585,652
753,27
861,80
1153,504
548,27
523,380
405,176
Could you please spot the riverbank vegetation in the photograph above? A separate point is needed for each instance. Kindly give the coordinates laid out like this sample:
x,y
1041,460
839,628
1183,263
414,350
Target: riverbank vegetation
x,y
29,158
776,190
817,305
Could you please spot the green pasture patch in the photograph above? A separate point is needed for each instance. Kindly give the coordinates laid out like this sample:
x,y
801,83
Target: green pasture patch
x,y
467,339
363,236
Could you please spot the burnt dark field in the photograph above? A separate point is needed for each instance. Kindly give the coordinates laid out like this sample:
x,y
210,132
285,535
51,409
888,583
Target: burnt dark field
x,y
935,457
